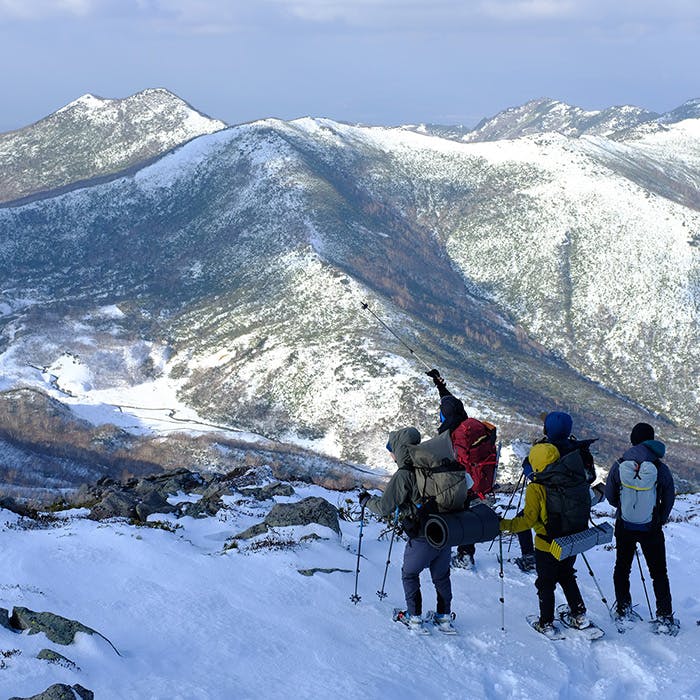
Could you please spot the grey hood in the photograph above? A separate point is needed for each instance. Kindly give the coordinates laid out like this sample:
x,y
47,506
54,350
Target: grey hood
x,y
399,440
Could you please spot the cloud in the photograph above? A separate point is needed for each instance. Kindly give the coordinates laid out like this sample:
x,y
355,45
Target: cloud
x,y
385,15
45,9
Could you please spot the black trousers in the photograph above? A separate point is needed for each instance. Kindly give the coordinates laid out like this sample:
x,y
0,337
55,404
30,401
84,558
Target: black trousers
x,y
653,547
550,572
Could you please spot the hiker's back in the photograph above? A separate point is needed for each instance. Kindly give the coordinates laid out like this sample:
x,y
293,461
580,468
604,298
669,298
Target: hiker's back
x,y
568,495
638,493
440,478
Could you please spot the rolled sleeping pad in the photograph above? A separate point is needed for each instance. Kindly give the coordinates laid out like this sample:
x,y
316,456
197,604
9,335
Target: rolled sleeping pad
x,y
477,524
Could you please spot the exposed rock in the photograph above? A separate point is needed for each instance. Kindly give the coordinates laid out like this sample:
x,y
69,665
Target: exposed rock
x,y
203,508
61,691
309,510
9,503
252,531
169,482
115,504
311,572
264,493
60,630
5,619
151,503
55,658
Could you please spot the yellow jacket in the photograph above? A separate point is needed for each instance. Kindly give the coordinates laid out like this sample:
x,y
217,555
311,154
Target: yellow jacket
x,y
534,516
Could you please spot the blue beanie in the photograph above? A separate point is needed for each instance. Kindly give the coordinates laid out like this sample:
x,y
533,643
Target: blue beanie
x,y
558,425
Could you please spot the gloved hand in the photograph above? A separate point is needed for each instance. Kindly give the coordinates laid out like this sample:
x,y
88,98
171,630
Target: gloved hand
x,y
435,376
363,498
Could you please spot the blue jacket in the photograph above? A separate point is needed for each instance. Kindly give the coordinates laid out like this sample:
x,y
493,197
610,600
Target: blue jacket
x,y
650,451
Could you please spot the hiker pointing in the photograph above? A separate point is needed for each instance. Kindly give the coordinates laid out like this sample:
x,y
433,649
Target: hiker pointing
x,y
474,444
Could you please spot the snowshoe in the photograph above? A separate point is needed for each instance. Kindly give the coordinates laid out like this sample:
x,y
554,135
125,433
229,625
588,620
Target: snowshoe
x,y
413,622
666,624
549,629
579,622
442,623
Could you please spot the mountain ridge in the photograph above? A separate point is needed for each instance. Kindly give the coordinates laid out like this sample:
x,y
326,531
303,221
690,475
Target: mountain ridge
x,y
243,256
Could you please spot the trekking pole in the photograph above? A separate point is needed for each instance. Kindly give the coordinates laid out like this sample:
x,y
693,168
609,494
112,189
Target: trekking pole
x,y
365,306
381,593
600,590
354,597
517,510
644,583
503,585
510,502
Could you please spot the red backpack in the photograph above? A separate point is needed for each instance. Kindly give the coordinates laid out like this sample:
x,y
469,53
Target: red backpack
x,y
474,442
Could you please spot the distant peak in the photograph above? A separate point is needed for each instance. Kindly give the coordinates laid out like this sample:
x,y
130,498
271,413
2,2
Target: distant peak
x,y
87,100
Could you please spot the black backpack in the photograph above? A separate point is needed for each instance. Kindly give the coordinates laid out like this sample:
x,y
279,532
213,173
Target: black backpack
x,y
568,495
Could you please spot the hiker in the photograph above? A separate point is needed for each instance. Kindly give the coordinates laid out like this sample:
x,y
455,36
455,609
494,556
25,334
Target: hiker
x,y
474,443
641,487
557,427
537,516
402,492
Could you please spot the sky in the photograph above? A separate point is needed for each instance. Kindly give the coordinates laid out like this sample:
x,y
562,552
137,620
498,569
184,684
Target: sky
x,y
368,61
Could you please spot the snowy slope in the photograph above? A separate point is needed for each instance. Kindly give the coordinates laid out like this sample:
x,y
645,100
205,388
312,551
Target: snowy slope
x,y
194,623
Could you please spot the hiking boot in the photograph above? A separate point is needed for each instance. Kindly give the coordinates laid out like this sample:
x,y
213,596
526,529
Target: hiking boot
x,y
415,623
622,612
580,621
443,622
546,628
463,561
526,563
666,624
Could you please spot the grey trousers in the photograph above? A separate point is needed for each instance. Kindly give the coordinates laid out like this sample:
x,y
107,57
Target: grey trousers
x,y
417,556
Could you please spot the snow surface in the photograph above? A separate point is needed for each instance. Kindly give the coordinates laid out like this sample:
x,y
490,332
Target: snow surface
x,y
192,622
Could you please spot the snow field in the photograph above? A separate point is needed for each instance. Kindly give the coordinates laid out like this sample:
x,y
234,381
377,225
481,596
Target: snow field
x,y
194,623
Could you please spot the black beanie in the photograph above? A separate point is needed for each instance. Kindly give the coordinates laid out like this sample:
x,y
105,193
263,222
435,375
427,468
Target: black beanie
x,y
641,433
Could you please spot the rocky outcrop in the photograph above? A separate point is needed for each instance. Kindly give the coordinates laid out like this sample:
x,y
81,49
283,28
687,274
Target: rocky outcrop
x,y
307,511
61,691
57,629
264,493
54,657
137,499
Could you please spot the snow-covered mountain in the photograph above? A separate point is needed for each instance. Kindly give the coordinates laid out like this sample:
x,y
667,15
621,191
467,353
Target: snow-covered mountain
x,y
546,115
538,273
94,137
188,609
